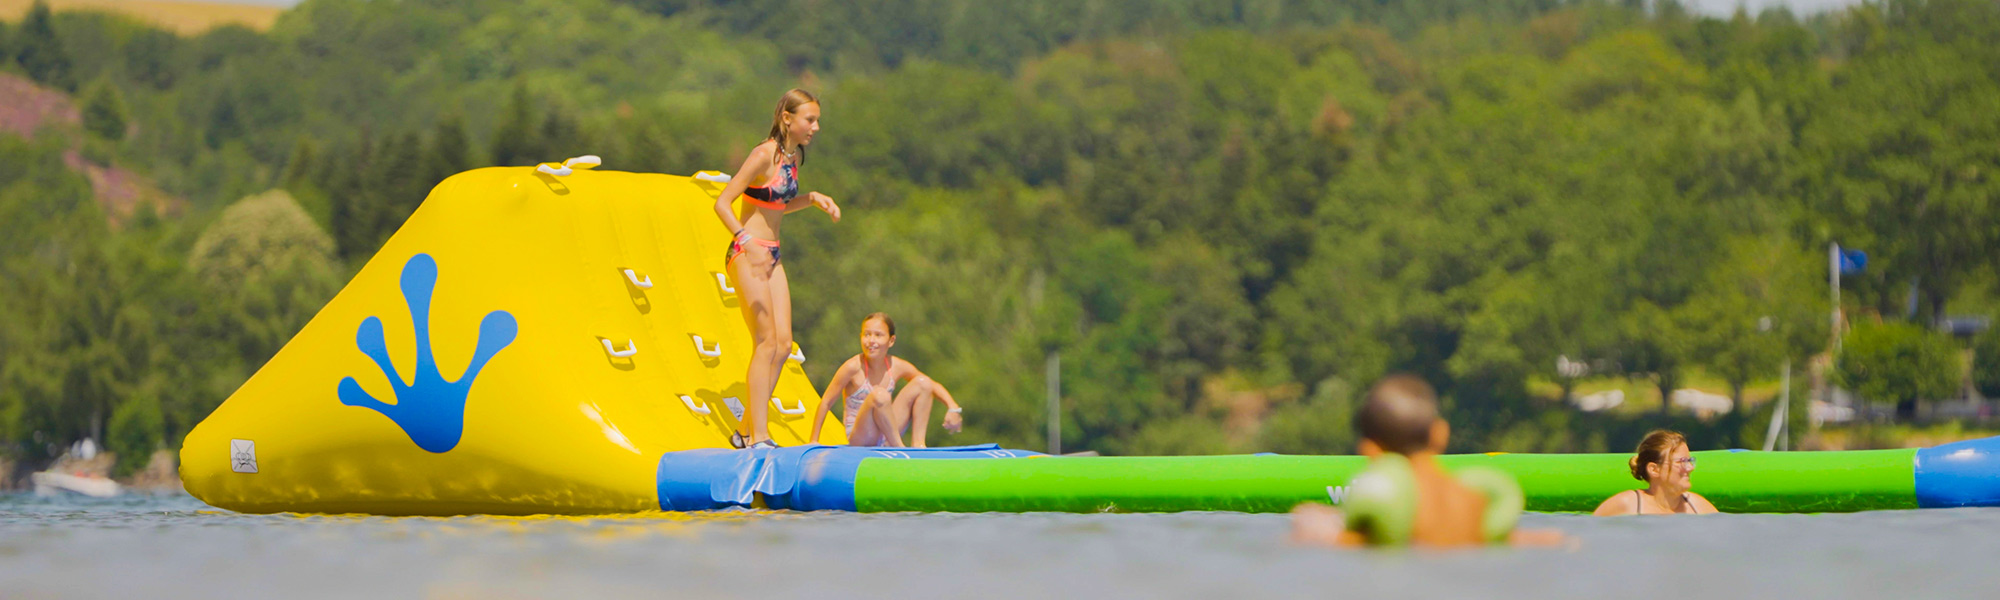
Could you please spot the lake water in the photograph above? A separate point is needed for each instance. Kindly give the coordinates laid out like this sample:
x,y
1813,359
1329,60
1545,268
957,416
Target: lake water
x,y
176,547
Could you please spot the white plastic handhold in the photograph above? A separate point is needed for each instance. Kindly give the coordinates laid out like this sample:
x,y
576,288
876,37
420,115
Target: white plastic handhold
x,y
722,281
697,408
715,176
634,278
798,354
631,348
735,407
703,350
587,161
789,411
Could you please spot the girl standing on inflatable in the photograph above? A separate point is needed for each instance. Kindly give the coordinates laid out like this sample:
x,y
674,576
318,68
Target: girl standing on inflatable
x,y
768,183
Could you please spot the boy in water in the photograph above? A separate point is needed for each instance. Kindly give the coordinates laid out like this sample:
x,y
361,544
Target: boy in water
x,y
876,412
1404,496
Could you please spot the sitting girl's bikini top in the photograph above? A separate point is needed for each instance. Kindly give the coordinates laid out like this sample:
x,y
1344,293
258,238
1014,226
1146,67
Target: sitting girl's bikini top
x,y
776,195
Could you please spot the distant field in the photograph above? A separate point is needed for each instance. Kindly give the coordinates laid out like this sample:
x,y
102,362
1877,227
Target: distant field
x,y
186,18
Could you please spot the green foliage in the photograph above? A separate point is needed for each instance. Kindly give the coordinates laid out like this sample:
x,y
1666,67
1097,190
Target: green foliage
x,y
1898,362
104,111
1906,159
152,58
514,142
266,235
1757,310
1322,424
1179,436
40,52
268,268
448,152
1986,362
136,431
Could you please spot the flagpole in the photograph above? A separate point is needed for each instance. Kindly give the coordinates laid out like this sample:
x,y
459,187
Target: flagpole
x,y
1833,275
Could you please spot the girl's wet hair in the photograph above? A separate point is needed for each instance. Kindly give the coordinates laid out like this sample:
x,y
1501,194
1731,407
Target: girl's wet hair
x,y
891,323
1655,448
788,103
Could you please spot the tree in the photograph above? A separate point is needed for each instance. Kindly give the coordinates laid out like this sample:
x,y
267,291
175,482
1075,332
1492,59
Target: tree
x,y
269,266
449,152
1902,153
356,201
1656,345
265,235
1986,362
299,168
400,180
514,141
104,111
1758,308
151,58
40,52
1898,362
137,429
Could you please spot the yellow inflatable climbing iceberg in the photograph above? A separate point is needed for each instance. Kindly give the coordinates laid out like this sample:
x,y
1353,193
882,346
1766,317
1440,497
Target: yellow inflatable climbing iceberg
x,y
532,340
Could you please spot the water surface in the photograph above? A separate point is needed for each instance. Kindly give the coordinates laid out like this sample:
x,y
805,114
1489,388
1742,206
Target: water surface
x,y
176,547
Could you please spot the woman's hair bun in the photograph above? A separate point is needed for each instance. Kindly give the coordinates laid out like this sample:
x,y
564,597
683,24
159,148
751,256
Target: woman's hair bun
x,y
1656,447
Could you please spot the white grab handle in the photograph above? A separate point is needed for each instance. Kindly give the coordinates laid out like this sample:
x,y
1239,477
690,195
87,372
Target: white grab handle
x,y
722,281
633,277
700,348
798,355
735,406
697,408
631,348
587,161
715,176
789,411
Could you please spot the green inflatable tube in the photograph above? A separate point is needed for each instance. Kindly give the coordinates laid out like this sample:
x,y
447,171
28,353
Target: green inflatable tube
x,y
1736,481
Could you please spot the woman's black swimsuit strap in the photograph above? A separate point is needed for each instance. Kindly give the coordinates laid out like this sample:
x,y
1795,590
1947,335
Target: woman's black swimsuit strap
x,y
1640,509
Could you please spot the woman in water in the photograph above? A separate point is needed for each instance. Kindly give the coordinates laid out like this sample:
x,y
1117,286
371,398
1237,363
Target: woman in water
x,y
876,412
1663,462
768,183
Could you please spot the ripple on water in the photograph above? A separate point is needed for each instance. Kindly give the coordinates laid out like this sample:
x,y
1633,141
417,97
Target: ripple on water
x,y
176,547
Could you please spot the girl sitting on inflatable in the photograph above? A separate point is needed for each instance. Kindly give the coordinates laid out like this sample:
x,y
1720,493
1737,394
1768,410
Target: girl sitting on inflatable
x,y
1663,462
876,412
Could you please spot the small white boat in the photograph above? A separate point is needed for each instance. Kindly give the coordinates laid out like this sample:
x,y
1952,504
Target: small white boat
x,y
50,483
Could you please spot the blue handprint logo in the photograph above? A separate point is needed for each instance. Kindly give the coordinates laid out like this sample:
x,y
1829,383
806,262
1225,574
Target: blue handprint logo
x,y
430,409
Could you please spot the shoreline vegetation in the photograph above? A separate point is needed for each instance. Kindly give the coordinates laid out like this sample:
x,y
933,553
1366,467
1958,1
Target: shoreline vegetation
x,y
1223,223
